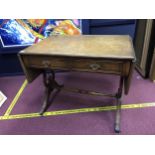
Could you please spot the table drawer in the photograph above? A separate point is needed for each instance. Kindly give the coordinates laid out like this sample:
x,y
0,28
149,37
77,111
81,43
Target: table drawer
x,y
68,63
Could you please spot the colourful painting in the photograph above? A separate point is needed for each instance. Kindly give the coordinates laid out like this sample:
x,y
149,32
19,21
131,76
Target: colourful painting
x,y
25,32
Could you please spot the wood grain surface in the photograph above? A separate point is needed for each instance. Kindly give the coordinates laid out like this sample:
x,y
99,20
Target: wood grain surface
x,y
99,46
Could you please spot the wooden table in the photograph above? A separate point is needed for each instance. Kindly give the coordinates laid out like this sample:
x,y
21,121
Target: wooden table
x,y
111,54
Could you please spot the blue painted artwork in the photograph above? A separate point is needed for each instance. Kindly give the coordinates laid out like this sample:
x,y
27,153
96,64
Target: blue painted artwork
x,y
25,32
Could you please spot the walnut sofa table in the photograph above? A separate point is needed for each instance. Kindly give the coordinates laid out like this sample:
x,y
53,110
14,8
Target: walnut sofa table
x,y
111,54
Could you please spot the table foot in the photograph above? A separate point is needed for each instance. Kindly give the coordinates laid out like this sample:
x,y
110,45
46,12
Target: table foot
x,y
117,128
46,102
118,115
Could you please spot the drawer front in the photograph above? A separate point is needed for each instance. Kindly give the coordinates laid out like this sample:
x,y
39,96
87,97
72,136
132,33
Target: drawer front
x,y
79,64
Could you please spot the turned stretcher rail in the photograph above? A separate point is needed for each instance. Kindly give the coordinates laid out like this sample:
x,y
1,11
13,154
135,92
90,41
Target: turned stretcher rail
x,y
88,92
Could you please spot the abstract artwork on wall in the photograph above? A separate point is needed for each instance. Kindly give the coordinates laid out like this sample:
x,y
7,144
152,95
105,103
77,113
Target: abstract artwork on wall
x,y
25,32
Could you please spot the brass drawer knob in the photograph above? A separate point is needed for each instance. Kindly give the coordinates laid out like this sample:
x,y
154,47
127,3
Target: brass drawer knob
x,y
46,63
95,66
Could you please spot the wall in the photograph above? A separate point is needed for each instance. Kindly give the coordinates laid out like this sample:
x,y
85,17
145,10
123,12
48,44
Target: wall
x,y
9,63
113,26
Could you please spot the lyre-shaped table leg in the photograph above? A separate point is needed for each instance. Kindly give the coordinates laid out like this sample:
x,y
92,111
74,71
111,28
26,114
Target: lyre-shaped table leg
x,y
118,107
50,84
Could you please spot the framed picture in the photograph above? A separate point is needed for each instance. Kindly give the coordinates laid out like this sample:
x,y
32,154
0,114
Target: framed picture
x,y
25,32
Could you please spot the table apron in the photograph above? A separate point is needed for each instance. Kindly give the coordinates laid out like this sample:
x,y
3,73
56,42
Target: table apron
x,y
109,66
